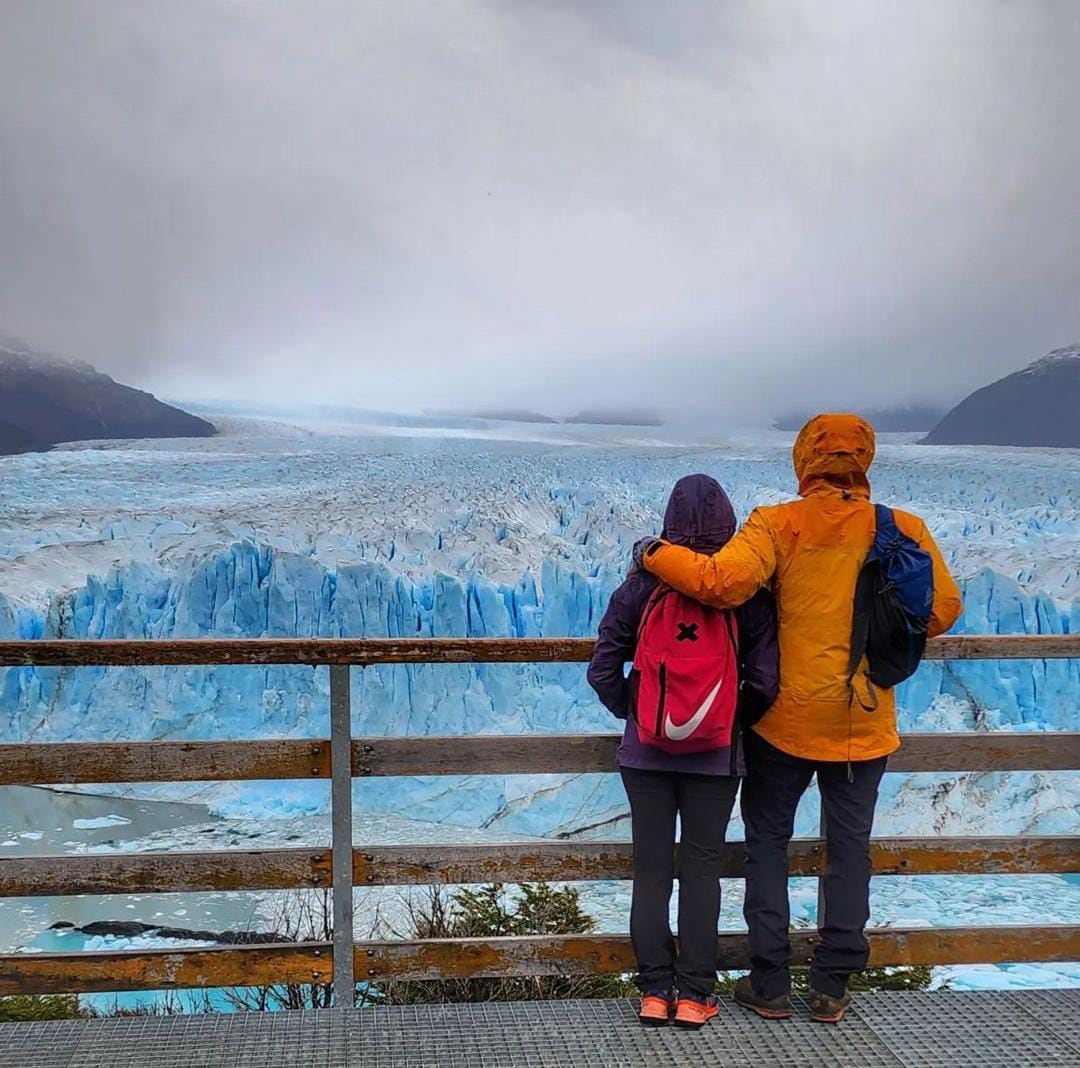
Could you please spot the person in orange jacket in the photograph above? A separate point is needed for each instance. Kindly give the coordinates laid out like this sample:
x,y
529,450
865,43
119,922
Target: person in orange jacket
x,y
824,721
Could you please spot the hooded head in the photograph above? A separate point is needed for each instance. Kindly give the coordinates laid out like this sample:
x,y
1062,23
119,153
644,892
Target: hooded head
x,y
834,453
699,515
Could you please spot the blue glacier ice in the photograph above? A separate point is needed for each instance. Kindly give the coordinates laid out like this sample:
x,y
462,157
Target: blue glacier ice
x,y
250,590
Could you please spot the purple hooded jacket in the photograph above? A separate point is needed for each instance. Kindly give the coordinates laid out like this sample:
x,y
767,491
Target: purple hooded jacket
x,y
698,515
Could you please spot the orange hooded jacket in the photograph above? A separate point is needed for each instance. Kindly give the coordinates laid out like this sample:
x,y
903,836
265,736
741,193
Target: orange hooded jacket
x,y
812,550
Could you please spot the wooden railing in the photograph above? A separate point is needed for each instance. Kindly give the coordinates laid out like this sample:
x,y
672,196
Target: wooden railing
x,y
342,867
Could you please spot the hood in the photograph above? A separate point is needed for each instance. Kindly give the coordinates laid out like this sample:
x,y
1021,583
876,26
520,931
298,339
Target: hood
x,y
833,454
699,515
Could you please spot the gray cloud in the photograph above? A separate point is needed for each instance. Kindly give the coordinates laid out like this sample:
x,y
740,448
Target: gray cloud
x,y
732,207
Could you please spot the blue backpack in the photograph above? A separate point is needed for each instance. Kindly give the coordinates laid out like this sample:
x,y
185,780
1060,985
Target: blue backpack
x,y
894,596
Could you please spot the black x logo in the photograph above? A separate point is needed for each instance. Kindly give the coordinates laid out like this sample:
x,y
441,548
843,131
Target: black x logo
x,y
687,632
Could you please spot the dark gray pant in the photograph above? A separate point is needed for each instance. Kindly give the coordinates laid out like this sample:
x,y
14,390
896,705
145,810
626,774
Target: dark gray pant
x,y
703,804
774,783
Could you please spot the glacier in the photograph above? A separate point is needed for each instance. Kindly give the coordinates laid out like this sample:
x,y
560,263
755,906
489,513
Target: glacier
x,y
283,530
248,590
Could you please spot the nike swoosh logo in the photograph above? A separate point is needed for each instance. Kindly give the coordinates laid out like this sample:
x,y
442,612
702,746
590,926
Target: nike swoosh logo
x,y
680,734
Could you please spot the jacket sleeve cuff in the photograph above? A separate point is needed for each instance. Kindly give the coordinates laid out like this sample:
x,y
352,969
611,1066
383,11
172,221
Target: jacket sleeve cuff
x,y
654,554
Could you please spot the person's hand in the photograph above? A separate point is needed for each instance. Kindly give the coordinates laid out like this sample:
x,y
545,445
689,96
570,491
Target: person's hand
x,y
641,547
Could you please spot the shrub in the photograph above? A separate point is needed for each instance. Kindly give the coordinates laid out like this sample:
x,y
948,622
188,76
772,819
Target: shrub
x,y
493,912
26,1007
307,916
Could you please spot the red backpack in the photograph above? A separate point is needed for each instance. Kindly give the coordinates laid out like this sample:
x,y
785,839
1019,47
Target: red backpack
x,y
686,674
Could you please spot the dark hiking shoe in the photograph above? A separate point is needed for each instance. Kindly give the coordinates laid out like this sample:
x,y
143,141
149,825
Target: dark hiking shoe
x,y
656,1009
825,1009
694,1013
778,1008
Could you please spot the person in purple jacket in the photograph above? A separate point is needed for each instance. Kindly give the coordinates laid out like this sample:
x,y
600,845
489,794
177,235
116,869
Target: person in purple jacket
x,y
699,788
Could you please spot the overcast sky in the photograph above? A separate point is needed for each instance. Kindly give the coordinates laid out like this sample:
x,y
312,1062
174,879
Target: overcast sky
x,y
729,207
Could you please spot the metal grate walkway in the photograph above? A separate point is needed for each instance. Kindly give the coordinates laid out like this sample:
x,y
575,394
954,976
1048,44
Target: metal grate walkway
x,y
1026,1029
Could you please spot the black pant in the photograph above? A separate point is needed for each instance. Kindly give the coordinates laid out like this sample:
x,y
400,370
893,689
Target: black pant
x,y
774,783
703,804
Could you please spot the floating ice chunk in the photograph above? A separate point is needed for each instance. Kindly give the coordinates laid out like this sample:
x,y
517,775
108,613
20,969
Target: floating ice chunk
x,y
100,821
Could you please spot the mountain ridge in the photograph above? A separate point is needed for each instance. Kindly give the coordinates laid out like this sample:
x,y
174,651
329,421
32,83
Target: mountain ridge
x,y
1035,407
45,400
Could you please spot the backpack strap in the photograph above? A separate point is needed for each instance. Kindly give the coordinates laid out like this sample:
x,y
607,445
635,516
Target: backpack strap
x,y
860,628
733,631
887,532
863,600
655,598
886,521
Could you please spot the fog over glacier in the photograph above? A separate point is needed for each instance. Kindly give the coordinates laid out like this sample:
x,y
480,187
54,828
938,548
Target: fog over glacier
x,y
702,207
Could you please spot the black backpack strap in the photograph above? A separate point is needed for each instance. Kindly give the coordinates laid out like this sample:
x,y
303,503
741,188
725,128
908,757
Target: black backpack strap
x,y
733,631
861,609
736,727
860,619
860,612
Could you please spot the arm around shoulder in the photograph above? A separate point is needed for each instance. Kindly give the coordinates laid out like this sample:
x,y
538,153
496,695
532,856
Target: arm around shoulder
x,y
726,579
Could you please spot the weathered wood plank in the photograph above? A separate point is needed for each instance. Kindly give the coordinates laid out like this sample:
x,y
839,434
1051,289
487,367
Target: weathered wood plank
x,y
148,873
988,751
93,762
1003,855
189,652
1004,647
1007,944
365,651
519,862
592,954
582,753
485,754
281,869
480,958
309,758
61,973
38,764
493,957
424,865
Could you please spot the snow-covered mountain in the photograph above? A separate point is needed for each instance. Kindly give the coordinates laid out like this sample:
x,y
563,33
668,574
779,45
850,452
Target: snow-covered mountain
x,y
1038,406
271,531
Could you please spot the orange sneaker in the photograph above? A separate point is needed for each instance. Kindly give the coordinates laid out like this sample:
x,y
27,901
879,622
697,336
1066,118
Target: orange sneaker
x,y
693,1014
656,1009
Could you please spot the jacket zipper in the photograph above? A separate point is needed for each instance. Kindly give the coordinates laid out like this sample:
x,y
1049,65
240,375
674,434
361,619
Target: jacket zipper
x,y
663,696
